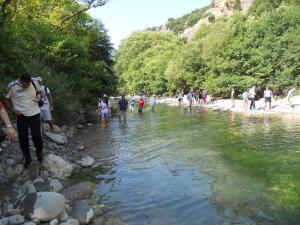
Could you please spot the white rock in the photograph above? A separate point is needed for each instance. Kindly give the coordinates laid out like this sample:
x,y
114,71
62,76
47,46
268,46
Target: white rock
x,y
56,138
54,222
86,161
63,216
58,166
48,206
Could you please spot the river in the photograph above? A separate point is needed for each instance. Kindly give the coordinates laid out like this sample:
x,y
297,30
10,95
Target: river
x,y
191,167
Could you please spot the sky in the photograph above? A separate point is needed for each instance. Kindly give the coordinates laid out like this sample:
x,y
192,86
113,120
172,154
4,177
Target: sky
x,y
122,17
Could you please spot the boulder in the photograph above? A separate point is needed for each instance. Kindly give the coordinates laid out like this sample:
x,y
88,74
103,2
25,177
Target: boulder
x,y
86,161
79,191
56,138
58,166
16,219
4,221
55,185
48,206
82,212
41,185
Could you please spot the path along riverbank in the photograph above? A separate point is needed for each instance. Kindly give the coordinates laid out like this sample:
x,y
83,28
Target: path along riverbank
x,y
43,194
278,106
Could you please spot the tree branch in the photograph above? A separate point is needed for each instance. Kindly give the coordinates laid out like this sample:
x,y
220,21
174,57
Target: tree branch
x,y
89,4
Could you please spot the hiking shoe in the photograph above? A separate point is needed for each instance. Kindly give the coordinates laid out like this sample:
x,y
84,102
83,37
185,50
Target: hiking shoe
x,y
40,158
27,163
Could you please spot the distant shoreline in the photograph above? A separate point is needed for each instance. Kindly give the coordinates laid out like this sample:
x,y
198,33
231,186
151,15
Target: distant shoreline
x,y
278,106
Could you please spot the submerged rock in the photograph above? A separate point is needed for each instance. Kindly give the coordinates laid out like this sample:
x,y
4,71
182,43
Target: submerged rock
x,y
56,138
82,212
86,161
79,191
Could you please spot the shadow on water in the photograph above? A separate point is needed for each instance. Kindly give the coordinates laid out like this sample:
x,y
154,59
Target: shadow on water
x,y
194,166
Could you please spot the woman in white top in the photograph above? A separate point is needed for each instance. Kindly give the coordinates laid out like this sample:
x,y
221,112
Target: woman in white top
x,y
103,107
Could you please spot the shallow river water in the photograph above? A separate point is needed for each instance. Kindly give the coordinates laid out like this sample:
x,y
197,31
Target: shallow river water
x,y
192,167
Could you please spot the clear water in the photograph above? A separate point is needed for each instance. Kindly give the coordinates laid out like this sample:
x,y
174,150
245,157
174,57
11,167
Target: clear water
x,y
190,167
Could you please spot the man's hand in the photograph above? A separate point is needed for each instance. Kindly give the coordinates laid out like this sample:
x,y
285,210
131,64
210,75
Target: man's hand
x,y
16,113
11,132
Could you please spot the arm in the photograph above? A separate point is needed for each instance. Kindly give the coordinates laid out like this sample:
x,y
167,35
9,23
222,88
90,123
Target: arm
x,y
49,96
8,104
10,130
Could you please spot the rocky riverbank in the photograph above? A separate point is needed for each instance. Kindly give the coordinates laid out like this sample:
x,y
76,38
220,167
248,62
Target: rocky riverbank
x,y
278,105
42,194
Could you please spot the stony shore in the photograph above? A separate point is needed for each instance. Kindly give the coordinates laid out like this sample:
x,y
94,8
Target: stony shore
x,y
279,106
42,193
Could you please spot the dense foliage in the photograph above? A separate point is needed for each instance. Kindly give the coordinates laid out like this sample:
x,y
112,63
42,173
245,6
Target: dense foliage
x,y
259,48
59,41
143,59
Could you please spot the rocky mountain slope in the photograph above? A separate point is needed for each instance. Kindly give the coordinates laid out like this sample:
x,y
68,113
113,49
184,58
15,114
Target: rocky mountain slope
x,y
220,9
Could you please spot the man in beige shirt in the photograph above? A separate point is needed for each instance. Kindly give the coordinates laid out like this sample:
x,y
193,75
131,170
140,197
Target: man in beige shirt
x,y
22,100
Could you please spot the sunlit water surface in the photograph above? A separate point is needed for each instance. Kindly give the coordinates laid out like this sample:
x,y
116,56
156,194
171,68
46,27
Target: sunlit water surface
x,y
190,167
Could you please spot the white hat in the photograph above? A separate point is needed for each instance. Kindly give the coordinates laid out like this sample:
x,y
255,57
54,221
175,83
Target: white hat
x,y
39,79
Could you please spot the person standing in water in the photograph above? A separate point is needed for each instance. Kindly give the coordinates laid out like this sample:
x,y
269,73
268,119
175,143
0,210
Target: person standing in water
x,y
103,109
252,94
141,104
123,106
245,99
268,97
132,104
290,96
152,103
232,95
180,98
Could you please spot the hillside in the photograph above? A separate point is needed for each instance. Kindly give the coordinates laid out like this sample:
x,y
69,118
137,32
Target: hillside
x,y
235,50
188,25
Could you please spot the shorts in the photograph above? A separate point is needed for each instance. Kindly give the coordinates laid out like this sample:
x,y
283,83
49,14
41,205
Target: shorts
x,y
268,99
46,115
104,115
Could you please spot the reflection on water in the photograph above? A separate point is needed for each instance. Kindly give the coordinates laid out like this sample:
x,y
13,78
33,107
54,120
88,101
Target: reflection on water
x,y
182,166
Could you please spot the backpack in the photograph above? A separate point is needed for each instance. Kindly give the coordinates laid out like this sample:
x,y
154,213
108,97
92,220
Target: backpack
x,y
40,102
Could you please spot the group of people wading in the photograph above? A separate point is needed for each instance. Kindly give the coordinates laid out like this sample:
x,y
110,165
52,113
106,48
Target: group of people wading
x,y
104,107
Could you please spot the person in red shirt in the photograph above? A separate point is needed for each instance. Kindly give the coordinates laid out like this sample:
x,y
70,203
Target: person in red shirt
x,y
10,130
141,104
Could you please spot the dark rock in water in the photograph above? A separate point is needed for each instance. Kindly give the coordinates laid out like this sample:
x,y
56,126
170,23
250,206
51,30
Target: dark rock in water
x,y
229,213
82,212
265,216
42,186
245,220
28,204
79,191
